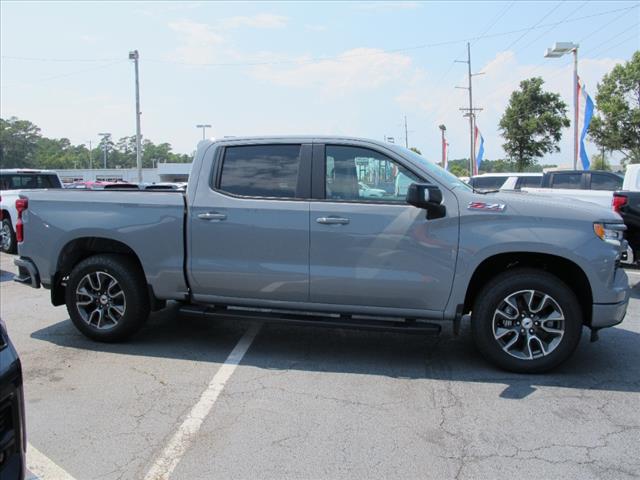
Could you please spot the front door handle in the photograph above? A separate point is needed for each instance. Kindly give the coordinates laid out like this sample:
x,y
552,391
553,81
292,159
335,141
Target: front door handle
x,y
212,216
332,220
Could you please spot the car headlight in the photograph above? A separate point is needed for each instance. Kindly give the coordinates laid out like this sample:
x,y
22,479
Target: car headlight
x,y
609,232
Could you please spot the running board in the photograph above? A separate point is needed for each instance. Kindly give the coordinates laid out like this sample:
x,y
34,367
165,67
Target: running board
x,y
304,319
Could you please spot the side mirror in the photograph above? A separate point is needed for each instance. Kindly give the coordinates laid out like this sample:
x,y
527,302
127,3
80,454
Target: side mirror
x,y
427,197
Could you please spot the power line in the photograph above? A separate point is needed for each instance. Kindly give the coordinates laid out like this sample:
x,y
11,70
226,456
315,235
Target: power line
x,y
571,13
45,79
497,18
534,26
357,55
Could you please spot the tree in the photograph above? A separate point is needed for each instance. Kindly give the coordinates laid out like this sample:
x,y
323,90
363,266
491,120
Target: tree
x,y
532,123
599,162
416,150
616,126
18,143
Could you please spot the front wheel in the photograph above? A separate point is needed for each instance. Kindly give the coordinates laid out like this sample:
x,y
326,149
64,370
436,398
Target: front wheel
x,y
526,321
106,297
7,237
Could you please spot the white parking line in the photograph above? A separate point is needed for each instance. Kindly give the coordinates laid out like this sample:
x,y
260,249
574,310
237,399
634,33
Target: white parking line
x,y
42,468
164,465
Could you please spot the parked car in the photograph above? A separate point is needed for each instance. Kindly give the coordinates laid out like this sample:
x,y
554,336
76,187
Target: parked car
x,y
505,181
12,182
369,192
100,185
591,186
262,231
13,442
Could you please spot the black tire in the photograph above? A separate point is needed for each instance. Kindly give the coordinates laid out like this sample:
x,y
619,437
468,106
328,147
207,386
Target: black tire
x,y
10,245
492,297
131,293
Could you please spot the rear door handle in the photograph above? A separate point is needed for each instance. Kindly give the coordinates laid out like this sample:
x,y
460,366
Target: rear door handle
x,y
332,220
212,216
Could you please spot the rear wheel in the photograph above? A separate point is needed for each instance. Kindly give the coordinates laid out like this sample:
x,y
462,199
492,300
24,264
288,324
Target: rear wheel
x,y
526,321
106,297
7,237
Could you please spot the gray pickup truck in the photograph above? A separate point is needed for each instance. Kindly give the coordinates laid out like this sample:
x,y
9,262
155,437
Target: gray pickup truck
x,y
331,231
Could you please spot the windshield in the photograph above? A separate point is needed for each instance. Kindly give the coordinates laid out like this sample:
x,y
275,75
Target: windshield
x,y
432,168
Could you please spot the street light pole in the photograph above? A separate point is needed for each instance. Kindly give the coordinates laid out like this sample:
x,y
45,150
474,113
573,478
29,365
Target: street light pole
x,y
134,55
558,50
575,107
204,127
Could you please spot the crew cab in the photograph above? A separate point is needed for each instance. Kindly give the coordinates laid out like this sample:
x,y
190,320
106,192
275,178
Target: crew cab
x,y
12,182
277,228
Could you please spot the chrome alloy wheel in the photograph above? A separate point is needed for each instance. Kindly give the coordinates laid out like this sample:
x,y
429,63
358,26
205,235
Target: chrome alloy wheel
x,y
528,324
5,236
100,300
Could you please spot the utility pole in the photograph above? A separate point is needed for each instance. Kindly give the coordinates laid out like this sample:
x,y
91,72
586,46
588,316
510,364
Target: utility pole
x,y
575,107
470,111
406,133
105,142
135,56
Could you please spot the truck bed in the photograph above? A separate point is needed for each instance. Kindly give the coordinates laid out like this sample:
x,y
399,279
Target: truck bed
x,y
151,223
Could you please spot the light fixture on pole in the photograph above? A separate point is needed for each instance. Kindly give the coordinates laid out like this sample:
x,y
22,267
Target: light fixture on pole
x,y
558,50
105,143
204,127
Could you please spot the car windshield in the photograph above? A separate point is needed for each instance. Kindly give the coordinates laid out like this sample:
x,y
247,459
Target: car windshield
x,y
433,168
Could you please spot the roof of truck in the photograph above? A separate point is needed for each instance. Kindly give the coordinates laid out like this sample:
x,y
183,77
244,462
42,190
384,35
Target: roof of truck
x,y
298,138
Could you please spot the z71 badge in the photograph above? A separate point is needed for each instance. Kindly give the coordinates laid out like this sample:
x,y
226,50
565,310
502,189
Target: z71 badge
x,y
490,207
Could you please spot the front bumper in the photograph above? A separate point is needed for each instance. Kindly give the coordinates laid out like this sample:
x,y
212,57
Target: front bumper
x,y
605,315
27,272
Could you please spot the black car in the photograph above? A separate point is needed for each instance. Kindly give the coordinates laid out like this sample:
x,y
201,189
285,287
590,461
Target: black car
x,y
13,441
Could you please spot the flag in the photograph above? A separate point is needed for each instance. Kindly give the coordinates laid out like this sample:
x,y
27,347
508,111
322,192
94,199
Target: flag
x,y
479,155
446,156
585,112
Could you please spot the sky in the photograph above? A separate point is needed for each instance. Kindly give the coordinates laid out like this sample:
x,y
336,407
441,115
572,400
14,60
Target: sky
x,y
344,68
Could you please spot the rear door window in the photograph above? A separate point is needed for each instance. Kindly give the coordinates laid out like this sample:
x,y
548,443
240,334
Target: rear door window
x,y
605,181
566,180
269,171
529,182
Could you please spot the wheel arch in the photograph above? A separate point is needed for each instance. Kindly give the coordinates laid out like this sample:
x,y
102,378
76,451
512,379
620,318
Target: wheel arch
x,y
77,250
566,270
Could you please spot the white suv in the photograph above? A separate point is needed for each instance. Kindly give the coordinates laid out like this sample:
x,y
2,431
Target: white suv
x,y
12,183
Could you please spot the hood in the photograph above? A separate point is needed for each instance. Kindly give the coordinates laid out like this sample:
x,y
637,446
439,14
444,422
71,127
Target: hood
x,y
543,206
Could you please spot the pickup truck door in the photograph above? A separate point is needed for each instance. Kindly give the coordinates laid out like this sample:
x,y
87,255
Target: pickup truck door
x,y
249,224
369,248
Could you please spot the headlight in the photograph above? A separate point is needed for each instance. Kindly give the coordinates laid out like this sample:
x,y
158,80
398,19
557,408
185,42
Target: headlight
x,y
609,232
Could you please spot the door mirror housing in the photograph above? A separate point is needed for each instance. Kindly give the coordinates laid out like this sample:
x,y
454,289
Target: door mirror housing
x,y
427,197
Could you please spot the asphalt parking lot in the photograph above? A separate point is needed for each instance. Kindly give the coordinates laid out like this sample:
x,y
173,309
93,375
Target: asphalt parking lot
x,y
314,403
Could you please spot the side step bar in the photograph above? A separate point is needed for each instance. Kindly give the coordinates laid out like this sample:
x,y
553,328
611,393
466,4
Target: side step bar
x,y
304,319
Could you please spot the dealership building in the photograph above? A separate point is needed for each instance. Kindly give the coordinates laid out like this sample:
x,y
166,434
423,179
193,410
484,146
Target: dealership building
x,y
164,172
